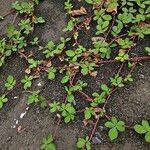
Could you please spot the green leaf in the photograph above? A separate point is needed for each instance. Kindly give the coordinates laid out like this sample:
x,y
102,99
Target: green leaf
x,y
51,75
1,104
40,20
51,147
1,18
89,1
67,119
146,125
147,136
84,71
87,114
121,128
109,124
65,79
81,143
70,98
70,53
107,17
113,133
140,129
114,120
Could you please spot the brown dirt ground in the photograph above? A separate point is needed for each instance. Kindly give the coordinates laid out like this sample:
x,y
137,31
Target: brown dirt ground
x,y
131,103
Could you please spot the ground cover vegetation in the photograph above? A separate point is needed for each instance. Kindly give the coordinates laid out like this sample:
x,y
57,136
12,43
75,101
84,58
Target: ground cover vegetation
x,y
117,24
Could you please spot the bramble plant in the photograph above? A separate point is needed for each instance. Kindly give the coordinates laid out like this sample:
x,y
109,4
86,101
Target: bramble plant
x,y
143,128
47,143
115,126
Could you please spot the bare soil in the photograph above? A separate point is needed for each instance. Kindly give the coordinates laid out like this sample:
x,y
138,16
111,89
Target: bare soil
x,y
131,104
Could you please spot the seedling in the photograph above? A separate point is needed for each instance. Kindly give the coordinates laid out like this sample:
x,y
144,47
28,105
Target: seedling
x,y
115,126
126,43
102,26
98,99
10,82
71,24
117,29
88,113
55,106
25,26
51,73
117,81
147,49
51,49
68,6
24,7
87,67
35,41
68,112
122,56
126,17
33,63
39,20
34,97
47,143
102,47
27,81
128,78
70,96
75,54
143,128
84,143
3,100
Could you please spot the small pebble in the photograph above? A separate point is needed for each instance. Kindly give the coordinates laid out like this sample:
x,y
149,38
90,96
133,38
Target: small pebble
x,y
22,115
141,76
39,84
96,140
15,97
74,103
27,108
17,121
101,128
